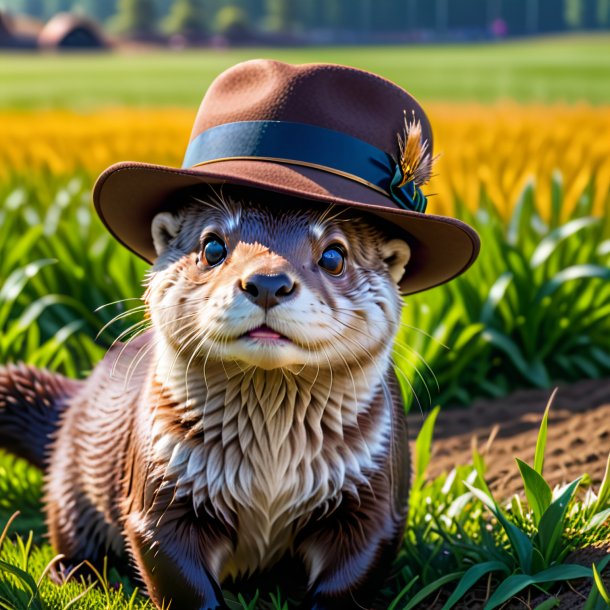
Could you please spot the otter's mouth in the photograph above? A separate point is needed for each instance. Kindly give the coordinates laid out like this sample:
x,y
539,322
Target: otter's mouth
x,y
265,334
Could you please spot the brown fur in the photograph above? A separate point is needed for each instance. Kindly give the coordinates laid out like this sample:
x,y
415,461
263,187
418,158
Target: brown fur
x,y
207,458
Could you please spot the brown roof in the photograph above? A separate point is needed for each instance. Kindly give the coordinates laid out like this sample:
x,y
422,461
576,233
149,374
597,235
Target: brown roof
x,y
5,26
62,25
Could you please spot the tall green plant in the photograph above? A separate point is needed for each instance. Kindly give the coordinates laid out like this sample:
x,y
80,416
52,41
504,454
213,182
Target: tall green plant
x,y
526,544
534,308
58,266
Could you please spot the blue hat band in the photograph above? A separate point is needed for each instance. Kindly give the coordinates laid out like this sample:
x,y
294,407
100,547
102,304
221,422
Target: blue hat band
x,y
308,145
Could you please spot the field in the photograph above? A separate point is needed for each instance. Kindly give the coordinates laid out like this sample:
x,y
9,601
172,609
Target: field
x,y
524,135
540,71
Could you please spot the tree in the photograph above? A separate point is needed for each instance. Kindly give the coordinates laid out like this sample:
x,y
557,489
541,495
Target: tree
x,y
35,8
573,13
232,22
136,18
280,15
603,13
186,17
96,9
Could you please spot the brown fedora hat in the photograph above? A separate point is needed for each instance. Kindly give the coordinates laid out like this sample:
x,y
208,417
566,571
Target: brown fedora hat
x,y
317,132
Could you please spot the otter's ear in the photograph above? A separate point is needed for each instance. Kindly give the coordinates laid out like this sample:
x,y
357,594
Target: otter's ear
x,y
396,254
164,228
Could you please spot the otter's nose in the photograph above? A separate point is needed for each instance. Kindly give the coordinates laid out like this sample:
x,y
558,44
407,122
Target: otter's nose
x,y
268,290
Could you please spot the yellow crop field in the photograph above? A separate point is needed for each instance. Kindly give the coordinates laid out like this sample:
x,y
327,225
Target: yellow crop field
x,y
495,149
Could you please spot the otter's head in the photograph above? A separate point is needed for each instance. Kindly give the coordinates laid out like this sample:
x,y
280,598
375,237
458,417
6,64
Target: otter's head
x,y
270,284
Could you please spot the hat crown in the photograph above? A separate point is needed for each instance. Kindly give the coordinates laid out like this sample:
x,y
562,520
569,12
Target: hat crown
x,y
335,97
316,134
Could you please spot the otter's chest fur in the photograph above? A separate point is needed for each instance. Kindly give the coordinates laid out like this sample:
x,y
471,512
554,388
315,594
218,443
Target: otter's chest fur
x,y
263,449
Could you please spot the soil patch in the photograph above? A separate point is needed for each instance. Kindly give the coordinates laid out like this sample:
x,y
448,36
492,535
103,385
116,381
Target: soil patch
x,y
578,442
578,434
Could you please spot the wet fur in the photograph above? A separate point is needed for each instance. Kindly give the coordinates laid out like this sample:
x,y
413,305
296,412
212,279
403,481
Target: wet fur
x,y
206,459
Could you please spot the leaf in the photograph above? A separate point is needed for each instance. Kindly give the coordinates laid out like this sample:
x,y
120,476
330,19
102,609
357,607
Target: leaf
x,y
471,577
521,214
519,541
431,588
495,296
22,575
479,465
603,497
517,582
537,490
394,604
552,522
16,282
596,520
423,448
600,585
552,241
532,371
569,274
593,601
541,440
557,195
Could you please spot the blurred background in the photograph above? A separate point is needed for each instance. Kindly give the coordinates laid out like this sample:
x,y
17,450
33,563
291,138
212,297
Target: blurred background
x,y
519,95
91,23
518,92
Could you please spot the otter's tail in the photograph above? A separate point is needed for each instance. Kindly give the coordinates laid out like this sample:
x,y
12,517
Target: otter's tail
x,y
31,401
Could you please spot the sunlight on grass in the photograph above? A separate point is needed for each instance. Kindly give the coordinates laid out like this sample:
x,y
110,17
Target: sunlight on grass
x,y
457,536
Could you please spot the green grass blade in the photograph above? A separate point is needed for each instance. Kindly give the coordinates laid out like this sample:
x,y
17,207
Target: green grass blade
x,y
394,604
552,523
569,274
603,497
596,520
552,241
521,214
78,597
479,465
519,541
537,490
471,577
21,575
557,193
600,585
541,440
517,582
495,296
534,372
431,588
423,449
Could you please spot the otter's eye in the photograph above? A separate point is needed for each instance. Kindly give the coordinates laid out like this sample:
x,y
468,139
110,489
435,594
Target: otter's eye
x,y
332,260
214,250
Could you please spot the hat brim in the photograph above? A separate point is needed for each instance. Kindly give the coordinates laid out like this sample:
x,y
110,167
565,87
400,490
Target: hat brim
x,y
128,195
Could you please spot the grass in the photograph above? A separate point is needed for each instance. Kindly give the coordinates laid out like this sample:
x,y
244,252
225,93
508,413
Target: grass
x,y
457,536
570,69
533,310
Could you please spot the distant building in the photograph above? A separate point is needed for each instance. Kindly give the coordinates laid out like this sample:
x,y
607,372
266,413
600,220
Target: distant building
x,y
18,31
6,34
70,31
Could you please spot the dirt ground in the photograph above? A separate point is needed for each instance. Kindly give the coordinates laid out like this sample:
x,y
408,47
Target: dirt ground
x,y
578,442
578,434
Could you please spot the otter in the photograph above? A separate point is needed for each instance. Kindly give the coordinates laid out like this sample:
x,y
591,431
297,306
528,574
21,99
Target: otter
x,y
254,418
